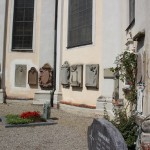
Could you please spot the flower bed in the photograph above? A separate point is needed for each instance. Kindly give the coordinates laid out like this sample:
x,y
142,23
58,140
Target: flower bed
x,y
25,118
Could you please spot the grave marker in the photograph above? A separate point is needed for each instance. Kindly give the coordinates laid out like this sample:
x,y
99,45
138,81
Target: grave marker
x,y
103,135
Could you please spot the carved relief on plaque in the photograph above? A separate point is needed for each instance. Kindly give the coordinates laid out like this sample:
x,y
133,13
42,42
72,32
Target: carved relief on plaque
x,y
65,74
20,75
92,75
32,76
46,77
76,76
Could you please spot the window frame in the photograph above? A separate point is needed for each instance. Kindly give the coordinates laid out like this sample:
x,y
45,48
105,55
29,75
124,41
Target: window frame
x,y
131,11
68,30
25,49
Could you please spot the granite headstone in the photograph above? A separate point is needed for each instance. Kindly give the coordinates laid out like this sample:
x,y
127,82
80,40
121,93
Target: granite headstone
x,y
103,135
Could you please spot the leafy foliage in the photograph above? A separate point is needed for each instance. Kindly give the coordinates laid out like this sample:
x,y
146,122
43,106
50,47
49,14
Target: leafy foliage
x,y
126,126
126,67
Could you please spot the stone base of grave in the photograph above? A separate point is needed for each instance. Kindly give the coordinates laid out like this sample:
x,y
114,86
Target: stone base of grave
x,y
42,97
105,102
145,141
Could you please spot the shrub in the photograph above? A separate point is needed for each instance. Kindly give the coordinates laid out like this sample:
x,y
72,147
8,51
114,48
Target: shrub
x,y
126,125
126,68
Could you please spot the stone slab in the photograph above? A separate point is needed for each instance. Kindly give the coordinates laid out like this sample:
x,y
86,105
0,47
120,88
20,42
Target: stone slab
x,y
41,97
33,76
76,75
20,75
49,122
92,75
103,135
65,74
108,74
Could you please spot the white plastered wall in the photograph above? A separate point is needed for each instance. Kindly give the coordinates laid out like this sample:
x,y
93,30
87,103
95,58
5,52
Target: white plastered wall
x,y
14,58
89,54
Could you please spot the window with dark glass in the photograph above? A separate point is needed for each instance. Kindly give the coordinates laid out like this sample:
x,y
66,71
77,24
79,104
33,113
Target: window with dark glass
x,y
131,10
23,24
80,23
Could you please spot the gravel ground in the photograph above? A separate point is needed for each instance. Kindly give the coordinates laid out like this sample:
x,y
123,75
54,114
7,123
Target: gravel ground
x,y
70,132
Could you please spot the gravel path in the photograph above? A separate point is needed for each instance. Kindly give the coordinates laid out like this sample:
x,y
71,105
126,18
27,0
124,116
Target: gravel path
x,y
70,132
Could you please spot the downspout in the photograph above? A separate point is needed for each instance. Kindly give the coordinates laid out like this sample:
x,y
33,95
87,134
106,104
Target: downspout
x,y
55,53
4,53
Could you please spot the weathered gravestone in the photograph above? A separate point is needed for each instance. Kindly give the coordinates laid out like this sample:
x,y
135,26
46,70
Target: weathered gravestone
x,y
102,135
46,110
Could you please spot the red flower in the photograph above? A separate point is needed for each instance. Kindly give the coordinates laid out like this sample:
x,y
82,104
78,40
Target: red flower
x,y
30,114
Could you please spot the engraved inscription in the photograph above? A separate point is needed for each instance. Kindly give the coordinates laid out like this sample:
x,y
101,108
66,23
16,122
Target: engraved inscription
x,y
102,142
20,75
102,135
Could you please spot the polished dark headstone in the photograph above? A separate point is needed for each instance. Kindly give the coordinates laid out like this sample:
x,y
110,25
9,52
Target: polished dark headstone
x,y
103,135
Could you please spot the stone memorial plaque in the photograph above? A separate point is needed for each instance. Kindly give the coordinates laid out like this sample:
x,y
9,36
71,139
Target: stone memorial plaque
x,y
65,74
20,75
46,77
92,75
76,76
102,135
108,74
32,76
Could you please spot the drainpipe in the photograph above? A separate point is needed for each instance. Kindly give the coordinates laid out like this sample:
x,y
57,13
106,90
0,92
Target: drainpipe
x,y
4,52
55,53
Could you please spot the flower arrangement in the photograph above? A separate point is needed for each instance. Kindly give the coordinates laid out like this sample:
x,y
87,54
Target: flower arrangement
x,y
30,114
